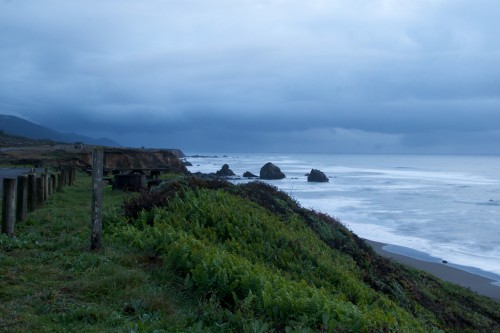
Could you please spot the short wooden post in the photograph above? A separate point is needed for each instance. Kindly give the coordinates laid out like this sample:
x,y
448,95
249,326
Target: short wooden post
x,y
64,176
45,176
70,176
39,192
60,181
22,197
73,175
67,176
32,201
52,183
97,169
8,206
49,185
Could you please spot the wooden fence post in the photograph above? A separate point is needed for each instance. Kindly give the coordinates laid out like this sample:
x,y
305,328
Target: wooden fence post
x,y
71,176
45,176
54,182
64,177
32,192
22,197
60,181
8,206
49,185
97,170
39,192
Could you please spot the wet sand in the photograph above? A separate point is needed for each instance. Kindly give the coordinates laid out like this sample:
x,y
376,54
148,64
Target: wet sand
x,y
474,282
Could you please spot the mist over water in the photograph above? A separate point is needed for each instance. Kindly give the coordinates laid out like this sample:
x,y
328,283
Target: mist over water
x,y
445,206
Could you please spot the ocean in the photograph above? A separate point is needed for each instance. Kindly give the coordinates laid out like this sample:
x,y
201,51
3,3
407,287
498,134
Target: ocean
x,y
433,208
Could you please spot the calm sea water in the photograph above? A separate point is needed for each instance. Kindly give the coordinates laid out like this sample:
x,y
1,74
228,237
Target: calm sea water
x,y
447,207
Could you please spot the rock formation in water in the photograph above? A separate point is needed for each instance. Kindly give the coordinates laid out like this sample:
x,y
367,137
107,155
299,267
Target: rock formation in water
x,y
248,174
225,171
271,171
317,176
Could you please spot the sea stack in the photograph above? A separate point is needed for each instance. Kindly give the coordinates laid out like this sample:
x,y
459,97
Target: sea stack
x,y
317,176
271,171
225,171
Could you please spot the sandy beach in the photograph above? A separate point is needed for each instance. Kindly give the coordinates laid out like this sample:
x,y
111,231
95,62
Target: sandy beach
x,y
474,282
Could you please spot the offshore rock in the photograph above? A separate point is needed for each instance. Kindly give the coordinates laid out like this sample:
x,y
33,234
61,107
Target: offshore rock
x,y
271,171
225,171
248,174
317,176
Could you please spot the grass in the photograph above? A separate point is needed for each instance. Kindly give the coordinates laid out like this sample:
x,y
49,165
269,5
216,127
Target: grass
x,y
51,282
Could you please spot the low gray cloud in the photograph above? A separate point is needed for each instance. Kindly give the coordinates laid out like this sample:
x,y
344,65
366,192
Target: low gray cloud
x,y
338,76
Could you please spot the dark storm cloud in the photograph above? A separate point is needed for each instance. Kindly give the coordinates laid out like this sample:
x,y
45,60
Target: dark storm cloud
x,y
382,75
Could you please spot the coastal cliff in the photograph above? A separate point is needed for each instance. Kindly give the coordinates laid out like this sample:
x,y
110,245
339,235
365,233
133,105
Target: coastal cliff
x,y
121,159
166,160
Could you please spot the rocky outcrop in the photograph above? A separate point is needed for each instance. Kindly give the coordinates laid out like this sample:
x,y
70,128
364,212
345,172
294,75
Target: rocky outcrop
x,y
317,176
225,171
248,174
271,171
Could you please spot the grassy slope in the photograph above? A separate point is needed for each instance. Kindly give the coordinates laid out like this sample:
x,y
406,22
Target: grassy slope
x,y
51,282
217,258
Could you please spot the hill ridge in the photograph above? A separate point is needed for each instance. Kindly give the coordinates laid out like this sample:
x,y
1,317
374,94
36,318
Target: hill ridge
x,y
21,127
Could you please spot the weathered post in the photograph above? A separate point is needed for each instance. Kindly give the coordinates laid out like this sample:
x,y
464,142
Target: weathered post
x,y
60,181
22,197
64,176
53,183
39,192
8,206
45,176
32,201
49,185
71,176
97,169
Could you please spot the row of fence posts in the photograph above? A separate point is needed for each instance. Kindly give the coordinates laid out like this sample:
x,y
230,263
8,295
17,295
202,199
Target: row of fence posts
x,y
28,192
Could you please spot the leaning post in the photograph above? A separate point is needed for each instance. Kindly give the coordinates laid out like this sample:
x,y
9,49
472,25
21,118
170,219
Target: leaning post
x,y
8,206
97,171
22,197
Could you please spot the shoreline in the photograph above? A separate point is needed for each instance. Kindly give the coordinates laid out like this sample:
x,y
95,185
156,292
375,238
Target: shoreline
x,y
477,283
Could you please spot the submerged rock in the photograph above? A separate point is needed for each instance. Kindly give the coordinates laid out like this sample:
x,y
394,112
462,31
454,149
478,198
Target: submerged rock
x,y
271,171
248,174
317,176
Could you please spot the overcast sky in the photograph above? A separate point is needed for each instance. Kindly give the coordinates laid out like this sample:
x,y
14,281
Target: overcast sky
x,y
404,76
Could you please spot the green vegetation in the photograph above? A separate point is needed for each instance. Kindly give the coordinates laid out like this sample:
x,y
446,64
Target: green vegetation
x,y
208,256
